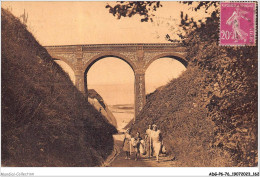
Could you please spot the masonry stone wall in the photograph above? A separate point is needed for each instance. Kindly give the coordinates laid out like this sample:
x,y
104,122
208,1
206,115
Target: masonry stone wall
x,y
139,56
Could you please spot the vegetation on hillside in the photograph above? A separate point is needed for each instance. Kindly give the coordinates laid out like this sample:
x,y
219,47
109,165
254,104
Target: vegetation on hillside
x,y
182,119
46,121
208,115
231,88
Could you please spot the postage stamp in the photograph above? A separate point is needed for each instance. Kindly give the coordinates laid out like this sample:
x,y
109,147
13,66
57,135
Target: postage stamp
x,y
237,23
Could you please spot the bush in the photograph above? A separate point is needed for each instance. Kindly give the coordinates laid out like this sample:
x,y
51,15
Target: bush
x,y
211,110
177,111
46,121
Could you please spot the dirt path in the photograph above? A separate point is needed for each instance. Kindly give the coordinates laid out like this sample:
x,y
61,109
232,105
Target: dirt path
x,y
120,161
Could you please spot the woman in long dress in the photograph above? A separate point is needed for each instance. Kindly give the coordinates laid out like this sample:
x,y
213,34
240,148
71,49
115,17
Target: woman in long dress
x,y
127,143
157,141
148,141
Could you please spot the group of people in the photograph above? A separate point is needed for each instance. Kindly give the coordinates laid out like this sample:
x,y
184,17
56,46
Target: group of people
x,y
149,146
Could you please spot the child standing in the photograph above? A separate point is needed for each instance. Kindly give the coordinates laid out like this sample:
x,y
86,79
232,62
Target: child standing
x,y
136,144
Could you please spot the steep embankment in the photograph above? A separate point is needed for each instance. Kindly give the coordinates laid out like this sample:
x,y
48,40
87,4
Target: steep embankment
x,y
46,121
176,109
97,101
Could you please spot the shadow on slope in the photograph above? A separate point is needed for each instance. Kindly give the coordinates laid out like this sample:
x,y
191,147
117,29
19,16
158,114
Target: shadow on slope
x,y
46,121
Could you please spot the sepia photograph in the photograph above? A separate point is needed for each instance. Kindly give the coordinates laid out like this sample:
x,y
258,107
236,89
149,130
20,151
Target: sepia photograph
x,y
129,84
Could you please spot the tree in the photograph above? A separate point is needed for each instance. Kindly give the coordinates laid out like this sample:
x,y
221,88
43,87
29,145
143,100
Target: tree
x,y
230,79
231,86
128,9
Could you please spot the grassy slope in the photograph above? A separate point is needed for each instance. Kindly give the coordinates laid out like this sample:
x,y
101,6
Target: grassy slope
x,y
46,121
177,111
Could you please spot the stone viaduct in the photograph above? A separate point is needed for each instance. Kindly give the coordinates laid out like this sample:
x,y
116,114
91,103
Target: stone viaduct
x,y
139,56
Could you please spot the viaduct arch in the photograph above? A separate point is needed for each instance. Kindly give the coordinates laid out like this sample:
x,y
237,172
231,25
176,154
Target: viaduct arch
x,y
139,57
98,57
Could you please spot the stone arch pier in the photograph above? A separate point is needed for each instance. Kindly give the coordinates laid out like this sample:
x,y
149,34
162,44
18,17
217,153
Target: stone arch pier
x,y
139,56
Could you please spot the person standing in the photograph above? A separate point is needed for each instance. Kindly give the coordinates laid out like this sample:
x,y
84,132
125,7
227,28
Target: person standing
x,y
156,141
127,143
148,141
137,143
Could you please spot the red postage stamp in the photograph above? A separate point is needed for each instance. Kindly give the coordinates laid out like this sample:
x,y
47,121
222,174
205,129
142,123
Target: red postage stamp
x,y
237,23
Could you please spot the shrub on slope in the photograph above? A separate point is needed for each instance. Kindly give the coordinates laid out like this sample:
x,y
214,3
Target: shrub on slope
x,y
46,121
231,86
180,116
225,96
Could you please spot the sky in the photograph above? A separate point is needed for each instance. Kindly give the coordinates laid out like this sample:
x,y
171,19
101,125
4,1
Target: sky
x,y
67,23
70,23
